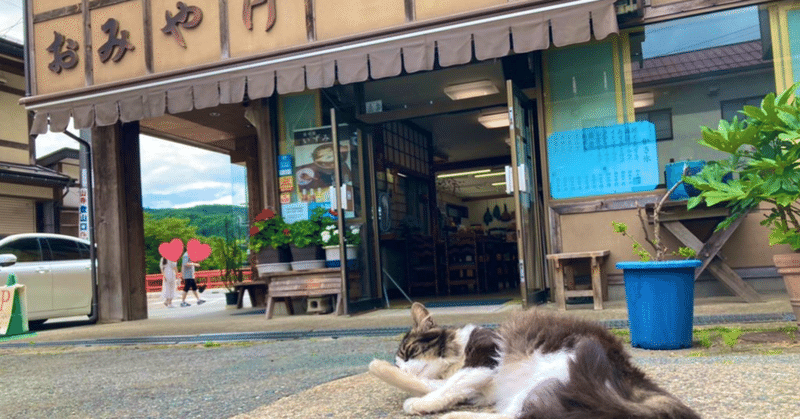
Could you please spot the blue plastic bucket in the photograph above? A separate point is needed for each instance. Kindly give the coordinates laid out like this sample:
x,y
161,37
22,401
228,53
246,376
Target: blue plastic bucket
x,y
660,297
673,173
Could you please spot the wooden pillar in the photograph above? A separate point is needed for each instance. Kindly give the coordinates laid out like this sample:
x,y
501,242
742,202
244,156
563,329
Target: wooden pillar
x,y
257,113
247,152
119,223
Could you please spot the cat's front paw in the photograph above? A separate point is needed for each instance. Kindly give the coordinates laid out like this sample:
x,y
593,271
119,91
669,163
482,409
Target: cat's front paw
x,y
421,405
379,366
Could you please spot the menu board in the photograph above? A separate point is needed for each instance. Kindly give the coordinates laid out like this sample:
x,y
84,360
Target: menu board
x,y
603,160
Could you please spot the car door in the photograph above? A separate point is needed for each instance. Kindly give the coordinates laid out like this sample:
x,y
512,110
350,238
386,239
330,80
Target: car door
x,y
72,286
31,271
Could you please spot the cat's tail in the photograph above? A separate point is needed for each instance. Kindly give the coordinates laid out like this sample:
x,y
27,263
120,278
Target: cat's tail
x,y
598,390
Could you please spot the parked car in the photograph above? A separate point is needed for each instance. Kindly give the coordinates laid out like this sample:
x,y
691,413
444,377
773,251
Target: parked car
x,y
56,270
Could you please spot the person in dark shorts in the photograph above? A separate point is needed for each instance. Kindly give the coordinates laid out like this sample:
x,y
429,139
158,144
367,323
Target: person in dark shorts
x,y
187,272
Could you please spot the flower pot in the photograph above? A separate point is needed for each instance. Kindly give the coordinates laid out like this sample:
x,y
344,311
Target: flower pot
x,y
333,258
789,267
231,298
270,255
301,265
273,267
307,253
660,298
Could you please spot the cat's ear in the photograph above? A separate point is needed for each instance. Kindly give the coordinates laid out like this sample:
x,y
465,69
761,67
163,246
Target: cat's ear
x,y
421,317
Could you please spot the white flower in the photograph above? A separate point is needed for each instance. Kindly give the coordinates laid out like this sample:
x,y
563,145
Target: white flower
x,y
330,227
326,236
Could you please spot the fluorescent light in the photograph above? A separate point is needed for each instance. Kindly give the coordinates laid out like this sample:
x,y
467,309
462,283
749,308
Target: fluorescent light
x,y
494,120
499,183
473,172
643,100
470,90
491,174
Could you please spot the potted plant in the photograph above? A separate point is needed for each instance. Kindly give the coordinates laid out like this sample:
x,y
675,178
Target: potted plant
x,y
269,242
229,256
659,293
330,242
306,241
764,153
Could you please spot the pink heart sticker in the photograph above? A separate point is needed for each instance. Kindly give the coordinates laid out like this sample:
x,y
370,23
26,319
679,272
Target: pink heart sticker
x,y
172,250
197,251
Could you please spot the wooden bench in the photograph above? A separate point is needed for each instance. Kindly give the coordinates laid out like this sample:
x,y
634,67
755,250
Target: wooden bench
x,y
308,283
256,289
564,272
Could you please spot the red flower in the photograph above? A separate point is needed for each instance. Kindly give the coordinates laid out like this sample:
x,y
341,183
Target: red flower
x,y
266,214
286,231
334,212
254,230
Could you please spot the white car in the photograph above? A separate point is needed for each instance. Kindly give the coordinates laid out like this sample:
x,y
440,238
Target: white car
x,y
56,270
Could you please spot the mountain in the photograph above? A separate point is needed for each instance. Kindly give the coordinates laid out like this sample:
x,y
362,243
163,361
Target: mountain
x,y
209,219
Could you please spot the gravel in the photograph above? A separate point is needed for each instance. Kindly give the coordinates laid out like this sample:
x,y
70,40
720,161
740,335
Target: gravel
x,y
324,378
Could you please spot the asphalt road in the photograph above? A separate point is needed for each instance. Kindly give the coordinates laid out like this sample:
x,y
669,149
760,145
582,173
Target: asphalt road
x,y
221,381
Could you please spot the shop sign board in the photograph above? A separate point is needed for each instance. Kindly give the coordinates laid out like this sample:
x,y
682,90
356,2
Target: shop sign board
x,y
117,40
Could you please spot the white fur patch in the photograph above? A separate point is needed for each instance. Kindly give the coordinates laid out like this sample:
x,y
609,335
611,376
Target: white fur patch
x,y
422,368
463,335
514,381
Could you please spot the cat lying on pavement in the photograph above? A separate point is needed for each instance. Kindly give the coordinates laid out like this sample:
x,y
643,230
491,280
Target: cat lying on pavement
x,y
536,365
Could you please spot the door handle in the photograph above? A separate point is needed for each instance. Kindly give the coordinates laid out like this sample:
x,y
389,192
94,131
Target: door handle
x,y
42,270
509,180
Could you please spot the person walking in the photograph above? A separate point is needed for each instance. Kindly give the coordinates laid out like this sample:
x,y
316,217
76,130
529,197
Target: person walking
x,y
169,286
187,272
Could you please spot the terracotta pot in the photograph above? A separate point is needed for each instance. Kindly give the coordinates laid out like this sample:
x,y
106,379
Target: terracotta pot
x,y
789,267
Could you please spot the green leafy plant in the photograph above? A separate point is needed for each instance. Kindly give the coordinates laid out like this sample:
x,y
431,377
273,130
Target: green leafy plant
x,y
764,152
330,235
305,233
641,252
230,255
269,229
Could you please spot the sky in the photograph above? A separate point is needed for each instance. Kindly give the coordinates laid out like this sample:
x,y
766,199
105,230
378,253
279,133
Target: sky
x,y
173,175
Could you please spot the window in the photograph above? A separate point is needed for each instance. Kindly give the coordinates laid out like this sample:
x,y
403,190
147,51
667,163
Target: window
x,y
61,249
26,250
662,119
731,108
84,249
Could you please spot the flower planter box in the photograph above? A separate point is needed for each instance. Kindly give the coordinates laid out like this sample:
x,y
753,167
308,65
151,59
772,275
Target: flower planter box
x,y
333,258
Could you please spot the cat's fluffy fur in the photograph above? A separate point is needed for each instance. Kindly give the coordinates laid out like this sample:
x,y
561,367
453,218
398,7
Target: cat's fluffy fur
x,y
536,365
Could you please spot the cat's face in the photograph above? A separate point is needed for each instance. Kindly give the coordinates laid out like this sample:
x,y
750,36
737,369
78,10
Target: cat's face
x,y
427,351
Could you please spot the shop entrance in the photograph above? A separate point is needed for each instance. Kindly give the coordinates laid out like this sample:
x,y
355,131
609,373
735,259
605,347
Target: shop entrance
x,y
459,197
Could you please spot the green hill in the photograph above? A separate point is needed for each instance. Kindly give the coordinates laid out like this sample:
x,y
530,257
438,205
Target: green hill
x,y
208,219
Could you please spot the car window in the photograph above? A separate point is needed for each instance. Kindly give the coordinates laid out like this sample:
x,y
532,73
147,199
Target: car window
x,y
26,250
84,249
62,249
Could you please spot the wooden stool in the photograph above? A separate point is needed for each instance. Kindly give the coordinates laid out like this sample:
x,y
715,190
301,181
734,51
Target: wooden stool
x,y
562,262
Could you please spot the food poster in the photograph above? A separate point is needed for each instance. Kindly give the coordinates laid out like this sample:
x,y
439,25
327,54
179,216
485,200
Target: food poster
x,y
314,166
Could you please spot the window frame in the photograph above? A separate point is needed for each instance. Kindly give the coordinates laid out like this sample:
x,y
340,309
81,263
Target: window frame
x,y
652,111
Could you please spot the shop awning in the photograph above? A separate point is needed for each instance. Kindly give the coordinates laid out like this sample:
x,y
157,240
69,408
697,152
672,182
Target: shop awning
x,y
508,30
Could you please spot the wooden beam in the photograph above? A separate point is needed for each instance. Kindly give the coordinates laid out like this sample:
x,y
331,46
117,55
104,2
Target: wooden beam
x,y
468,164
716,267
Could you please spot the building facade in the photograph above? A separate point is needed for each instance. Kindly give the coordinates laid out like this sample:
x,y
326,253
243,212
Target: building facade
x,y
27,191
412,117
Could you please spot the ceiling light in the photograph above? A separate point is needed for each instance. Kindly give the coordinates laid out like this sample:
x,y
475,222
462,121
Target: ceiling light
x,y
473,172
470,90
499,183
494,120
643,100
491,174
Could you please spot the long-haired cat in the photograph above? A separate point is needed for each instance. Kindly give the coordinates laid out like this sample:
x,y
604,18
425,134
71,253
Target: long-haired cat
x,y
536,365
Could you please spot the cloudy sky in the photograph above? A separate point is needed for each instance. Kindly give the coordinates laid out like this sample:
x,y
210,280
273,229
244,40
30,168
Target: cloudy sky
x,y
173,175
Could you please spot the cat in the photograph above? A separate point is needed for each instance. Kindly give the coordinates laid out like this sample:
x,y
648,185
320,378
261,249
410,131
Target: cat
x,y
538,364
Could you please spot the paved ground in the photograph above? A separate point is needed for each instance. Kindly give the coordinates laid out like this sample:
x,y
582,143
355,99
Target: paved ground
x,y
324,377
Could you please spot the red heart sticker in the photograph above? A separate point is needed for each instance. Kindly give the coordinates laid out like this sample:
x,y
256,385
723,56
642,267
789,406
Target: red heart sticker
x,y
172,250
197,251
